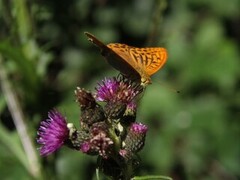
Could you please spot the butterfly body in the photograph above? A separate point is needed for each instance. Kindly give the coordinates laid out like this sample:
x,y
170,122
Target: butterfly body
x,y
135,63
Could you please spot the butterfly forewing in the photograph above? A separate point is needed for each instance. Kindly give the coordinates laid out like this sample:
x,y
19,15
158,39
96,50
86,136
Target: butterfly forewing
x,y
125,64
149,59
95,41
123,51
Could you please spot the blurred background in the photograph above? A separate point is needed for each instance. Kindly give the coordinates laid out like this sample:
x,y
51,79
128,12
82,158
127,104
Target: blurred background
x,y
44,56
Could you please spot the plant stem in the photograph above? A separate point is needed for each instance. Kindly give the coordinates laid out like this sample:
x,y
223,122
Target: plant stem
x,y
18,119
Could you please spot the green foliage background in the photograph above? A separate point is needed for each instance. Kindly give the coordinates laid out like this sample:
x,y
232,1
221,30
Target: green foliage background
x,y
45,54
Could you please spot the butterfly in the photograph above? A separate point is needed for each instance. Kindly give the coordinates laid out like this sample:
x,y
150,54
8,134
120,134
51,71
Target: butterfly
x,y
135,63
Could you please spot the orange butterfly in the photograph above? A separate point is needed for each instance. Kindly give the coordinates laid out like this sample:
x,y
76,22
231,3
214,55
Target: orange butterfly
x,y
135,63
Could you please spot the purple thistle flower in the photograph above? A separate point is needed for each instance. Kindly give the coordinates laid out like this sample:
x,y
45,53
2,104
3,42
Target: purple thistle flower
x,y
52,133
131,108
85,147
117,90
99,143
138,128
107,90
134,141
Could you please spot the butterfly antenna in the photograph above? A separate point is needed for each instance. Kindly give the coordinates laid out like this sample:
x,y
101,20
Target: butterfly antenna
x,y
168,87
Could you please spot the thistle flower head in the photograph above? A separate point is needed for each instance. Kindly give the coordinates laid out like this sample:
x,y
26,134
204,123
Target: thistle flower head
x,y
52,133
138,128
107,90
117,90
99,142
134,140
91,112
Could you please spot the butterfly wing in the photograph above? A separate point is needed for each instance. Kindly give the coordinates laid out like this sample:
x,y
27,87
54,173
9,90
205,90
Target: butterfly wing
x,y
145,61
149,60
135,63
115,54
97,42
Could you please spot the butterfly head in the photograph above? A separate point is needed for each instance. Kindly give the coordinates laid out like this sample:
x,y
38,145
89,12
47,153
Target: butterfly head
x,y
145,81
